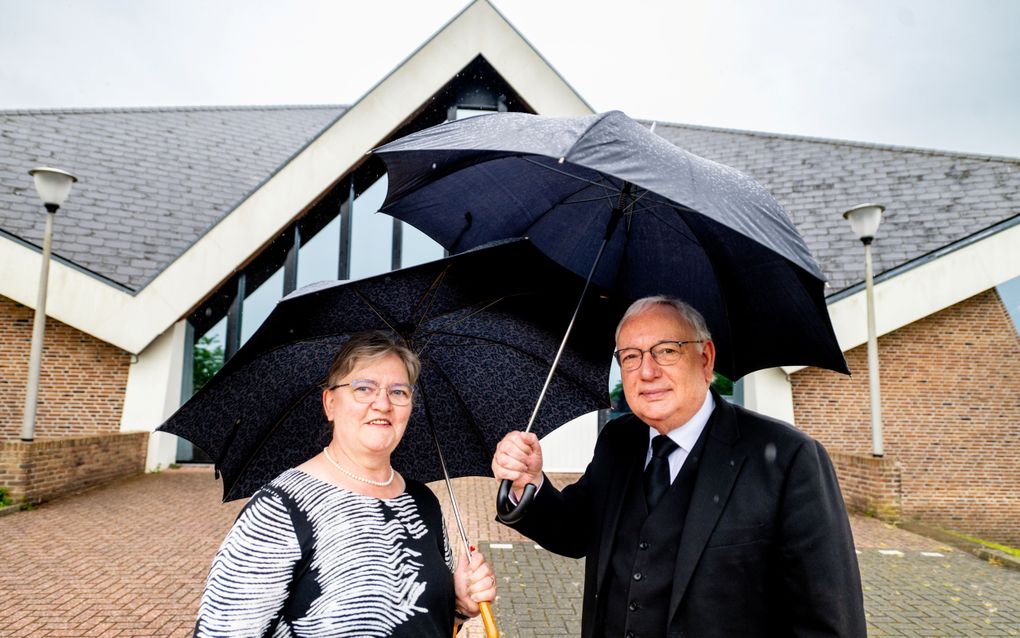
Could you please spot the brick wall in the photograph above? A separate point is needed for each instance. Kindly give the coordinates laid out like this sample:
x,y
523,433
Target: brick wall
x,y
870,485
44,469
950,386
82,383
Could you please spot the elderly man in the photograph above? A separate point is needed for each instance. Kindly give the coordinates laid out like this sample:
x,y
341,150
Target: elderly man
x,y
695,517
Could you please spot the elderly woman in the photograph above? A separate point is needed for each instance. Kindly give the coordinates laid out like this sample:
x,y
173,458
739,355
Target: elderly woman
x,y
343,545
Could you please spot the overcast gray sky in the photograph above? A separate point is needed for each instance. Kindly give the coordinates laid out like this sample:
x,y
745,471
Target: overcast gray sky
x,y
932,73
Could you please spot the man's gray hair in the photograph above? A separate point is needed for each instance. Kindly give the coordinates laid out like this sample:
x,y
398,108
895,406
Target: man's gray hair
x,y
693,318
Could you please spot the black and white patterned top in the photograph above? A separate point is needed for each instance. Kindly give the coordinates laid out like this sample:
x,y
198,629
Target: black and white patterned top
x,y
307,558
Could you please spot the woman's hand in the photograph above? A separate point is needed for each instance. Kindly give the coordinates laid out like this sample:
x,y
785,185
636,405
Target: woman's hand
x,y
473,583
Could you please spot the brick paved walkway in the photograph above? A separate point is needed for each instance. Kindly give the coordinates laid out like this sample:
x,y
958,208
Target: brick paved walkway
x,y
130,559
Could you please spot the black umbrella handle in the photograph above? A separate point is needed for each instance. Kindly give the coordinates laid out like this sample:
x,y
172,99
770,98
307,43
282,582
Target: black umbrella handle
x,y
505,510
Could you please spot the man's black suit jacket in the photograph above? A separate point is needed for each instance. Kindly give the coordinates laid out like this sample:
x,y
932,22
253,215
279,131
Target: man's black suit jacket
x,y
766,548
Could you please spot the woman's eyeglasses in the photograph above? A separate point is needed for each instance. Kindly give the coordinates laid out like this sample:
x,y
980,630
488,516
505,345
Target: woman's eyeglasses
x,y
366,391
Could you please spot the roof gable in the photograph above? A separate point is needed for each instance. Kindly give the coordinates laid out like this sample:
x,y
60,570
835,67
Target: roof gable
x,y
280,193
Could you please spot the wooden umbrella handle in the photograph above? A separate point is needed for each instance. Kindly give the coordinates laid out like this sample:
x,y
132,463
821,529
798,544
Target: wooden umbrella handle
x,y
488,619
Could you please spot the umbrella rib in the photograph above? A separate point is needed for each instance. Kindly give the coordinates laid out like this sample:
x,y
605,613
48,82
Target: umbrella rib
x,y
475,429
484,305
637,199
629,209
378,314
453,324
426,295
565,199
715,269
272,430
323,335
600,183
566,376
429,296
571,202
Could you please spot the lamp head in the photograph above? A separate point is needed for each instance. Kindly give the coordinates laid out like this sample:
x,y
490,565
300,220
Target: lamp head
x,y
864,220
52,185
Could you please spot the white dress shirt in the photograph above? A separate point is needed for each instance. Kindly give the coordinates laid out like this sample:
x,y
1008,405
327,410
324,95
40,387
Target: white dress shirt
x,y
684,436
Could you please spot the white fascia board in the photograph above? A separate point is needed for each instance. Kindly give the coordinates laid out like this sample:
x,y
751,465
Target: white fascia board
x,y
131,322
73,297
927,289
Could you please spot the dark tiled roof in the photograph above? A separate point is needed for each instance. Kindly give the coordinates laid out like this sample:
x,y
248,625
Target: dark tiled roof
x,y
152,181
932,198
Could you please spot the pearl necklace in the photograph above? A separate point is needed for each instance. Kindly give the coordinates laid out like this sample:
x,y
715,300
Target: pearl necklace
x,y
354,476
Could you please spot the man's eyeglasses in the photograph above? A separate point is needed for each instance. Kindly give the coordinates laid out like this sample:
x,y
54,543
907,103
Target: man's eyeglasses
x,y
366,391
665,353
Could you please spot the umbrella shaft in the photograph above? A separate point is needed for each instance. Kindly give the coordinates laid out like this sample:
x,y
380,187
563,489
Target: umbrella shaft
x,y
570,327
449,488
456,515
614,219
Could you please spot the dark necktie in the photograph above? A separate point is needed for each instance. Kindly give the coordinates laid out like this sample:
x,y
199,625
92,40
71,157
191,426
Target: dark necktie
x,y
657,473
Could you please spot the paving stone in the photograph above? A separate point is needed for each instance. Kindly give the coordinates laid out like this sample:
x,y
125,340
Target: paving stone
x,y
130,559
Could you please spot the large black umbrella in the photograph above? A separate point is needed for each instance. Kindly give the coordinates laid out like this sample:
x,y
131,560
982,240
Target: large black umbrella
x,y
639,216
664,221
486,325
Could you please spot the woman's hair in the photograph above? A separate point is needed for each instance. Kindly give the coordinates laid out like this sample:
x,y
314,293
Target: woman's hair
x,y
687,312
370,345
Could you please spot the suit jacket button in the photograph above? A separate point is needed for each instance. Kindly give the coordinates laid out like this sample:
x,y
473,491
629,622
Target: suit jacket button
x,y
637,576
643,545
632,606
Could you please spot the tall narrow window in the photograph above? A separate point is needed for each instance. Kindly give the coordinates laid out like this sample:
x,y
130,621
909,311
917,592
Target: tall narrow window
x,y
1009,292
318,257
418,248
371,234
259,304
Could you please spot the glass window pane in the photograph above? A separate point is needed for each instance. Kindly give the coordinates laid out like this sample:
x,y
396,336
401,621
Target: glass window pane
x,y
371,233
1009,292
259,304
418,248
463,114
318,257
207,356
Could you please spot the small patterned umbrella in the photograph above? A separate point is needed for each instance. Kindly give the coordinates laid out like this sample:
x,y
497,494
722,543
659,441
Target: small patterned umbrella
x,y
486,324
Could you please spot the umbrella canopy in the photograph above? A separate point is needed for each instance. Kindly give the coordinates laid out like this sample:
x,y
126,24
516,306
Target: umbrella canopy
x,y
672,222
486,325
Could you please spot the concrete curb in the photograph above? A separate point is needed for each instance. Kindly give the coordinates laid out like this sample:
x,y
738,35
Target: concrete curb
x,y
995,556
998,557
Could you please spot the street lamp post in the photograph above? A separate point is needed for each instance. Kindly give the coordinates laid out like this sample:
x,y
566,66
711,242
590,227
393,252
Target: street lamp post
x,y
53,186
864,220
